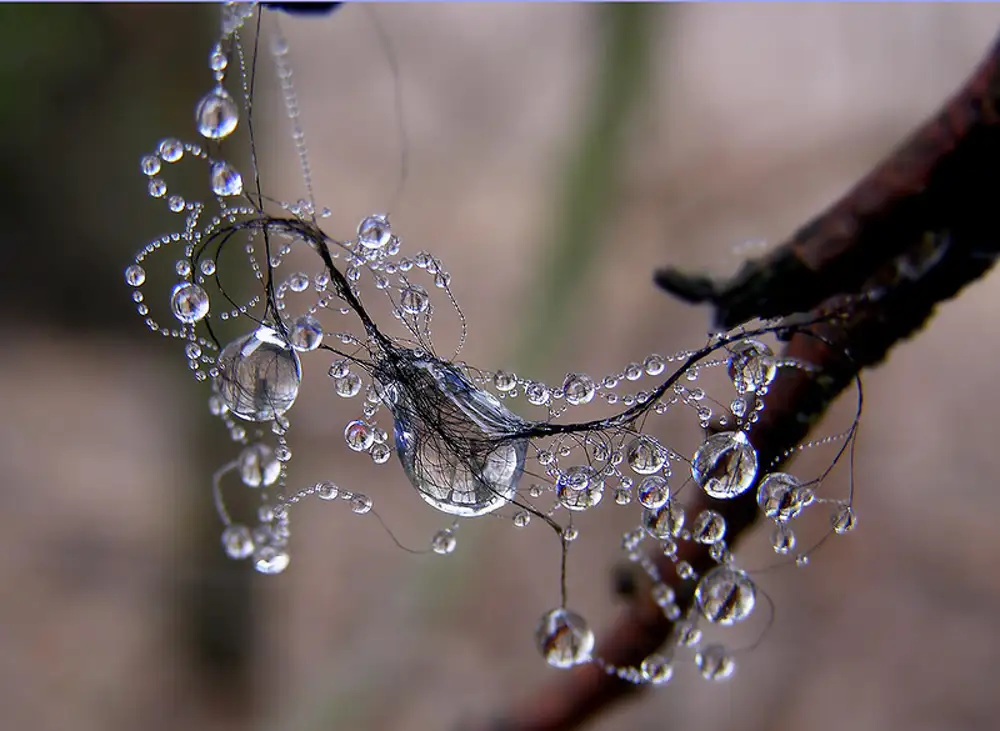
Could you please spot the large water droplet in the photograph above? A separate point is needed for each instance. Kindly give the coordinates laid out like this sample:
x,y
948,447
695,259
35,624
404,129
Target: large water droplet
x,y
580,488
374,232
259,467
564,638
782,497
455,441
225,179
656,669
216,115
579,389
135,275
189,302
751,365
725,465
259,375
725,595
171,149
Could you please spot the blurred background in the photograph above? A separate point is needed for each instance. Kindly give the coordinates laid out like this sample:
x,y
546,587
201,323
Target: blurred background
x,y
557,155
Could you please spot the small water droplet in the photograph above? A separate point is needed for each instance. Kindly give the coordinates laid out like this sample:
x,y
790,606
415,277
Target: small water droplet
x,y
725,595
157,188
150,165
714,663
656,669
564,638
521,518
413,299
225,179
359,435
360,504
327,490
444,542
306,333
844,520
271,560
237,542
653,492
216,115
349,386
259,467
709,527
579,389
135,275
782,539
664,522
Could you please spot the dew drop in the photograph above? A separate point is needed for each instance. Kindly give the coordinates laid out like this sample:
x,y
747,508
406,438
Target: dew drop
x,y
327,490
171,150
844,520
782,539
537,394
413,299
157,188
521,518
444,542
564,638
665,521
258,376
306,333
653,492
225,179
580,488
656,669
298,282
189,302
359,435
645,455
259,467
725,465
579,389
175,203
751,365
654,365
504,381
135,275
374,232
216,115
725,595
270,560
709,527
782,497
714,663
361,504
150,165
237,542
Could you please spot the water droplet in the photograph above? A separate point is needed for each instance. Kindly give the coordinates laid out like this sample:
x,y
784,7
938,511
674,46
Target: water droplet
x,y
207,267
359,436
298,282
725,595
714,663
189,302
157,188
709,527
225,179
725,465
361,504
580,488
656,669
521,518
504,381
751,365
135,275
454,440
665,521
653,492
327,490
259,467
844,520
413,299
654,365
444,542
645,455
782,539
564,638
236,541
171,150
537,394
175,203
782,497
150,165
259,376
579,389
739,407
217,60
306,333
270,560
374,232
216,115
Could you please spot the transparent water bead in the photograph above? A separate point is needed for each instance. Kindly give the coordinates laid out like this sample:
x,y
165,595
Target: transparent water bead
x,y
715,663
782,497
374,232
665,522
564,638
135,275
171,150
189,303
455,441
844,520
725,595
306,333
216,115
646,456
359,435
709,527
656,669
579,389
259,467
413,299
237,542
504,381
225,179
150,165
271,560
751,365
259,376
653,492
580,488
326,490
349,386
725,465
444,542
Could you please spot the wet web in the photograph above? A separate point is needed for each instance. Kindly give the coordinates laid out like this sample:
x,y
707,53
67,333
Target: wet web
x,y
246,322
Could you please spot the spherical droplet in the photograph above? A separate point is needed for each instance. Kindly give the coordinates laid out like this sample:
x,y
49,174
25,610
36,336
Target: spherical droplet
x,y
326,490
645,455
521,518
844,520
135,275
374,232
504,381
782,539
444,542
270,560
579,389
725,595
580,488
150,165
306,333
709,527
225,179
664,522
725,465
380,453
782,497
259,376
361,504
537,394
359,436
656,669
413,299
653,492
714,663
237,542
216,115
259,467
189,302
349,386
171,150
157,188
564,638
654,365
751,365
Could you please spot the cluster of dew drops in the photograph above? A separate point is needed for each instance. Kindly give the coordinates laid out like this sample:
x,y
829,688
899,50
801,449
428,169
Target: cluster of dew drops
x,y
521,469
